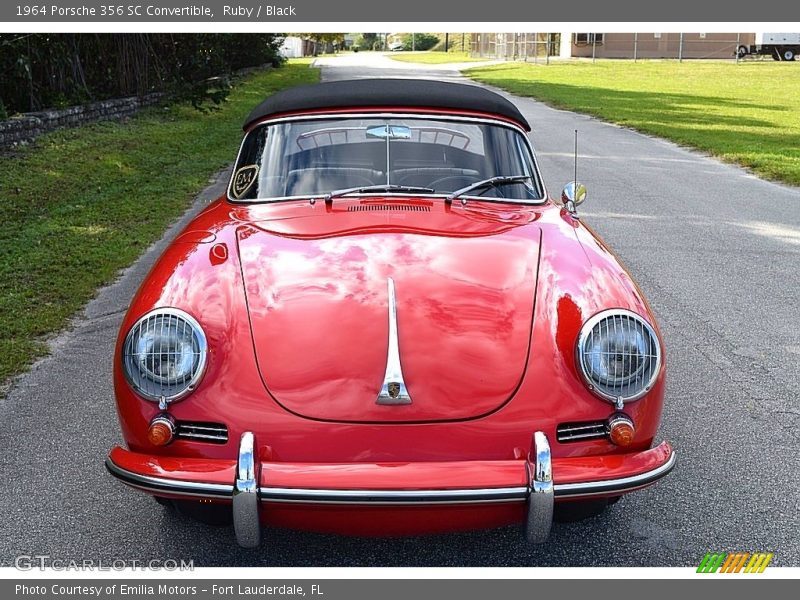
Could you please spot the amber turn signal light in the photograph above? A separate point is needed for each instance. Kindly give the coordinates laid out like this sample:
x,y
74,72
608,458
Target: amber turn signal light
x,y
161,431
621,430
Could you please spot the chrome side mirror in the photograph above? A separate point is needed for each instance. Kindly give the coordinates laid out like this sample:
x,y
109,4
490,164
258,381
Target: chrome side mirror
x,y
573,195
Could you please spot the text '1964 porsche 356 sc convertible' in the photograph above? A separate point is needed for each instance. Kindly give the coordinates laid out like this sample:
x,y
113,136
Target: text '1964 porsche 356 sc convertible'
x,y
387,327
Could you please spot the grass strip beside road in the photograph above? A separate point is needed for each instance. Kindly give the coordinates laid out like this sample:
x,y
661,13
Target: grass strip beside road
x,y
81,204
435,58
745,114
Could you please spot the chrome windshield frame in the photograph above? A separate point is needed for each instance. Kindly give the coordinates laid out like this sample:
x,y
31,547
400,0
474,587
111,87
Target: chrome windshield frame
x,y
388,115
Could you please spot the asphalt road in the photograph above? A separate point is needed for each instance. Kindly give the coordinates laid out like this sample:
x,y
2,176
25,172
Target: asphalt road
x,y
716,251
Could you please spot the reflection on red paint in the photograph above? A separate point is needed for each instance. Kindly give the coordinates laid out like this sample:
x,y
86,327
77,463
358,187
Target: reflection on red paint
x,y
568,325
468,302
218,254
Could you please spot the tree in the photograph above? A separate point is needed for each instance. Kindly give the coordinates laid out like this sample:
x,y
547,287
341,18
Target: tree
x,y
367,41
46,70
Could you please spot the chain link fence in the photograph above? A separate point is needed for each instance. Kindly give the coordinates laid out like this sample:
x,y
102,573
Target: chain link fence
x,y
541,47
532,47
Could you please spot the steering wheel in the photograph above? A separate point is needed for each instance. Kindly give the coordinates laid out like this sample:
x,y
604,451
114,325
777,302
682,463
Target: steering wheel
x,y
454,182
357,181
300,187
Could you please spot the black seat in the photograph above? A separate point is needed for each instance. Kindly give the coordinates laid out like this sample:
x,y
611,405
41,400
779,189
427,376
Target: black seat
x,y
318,180
444,179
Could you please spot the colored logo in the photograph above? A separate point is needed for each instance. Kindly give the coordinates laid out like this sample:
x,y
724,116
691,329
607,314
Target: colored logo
x,y
734,562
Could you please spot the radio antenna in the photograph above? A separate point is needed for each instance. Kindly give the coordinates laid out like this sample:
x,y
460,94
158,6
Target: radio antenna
x,y
571,199
576,158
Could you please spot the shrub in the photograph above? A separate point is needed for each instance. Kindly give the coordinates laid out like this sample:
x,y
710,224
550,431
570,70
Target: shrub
x,y
421,41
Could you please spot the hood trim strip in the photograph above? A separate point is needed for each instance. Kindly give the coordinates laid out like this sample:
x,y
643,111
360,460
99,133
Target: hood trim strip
x,y
393,392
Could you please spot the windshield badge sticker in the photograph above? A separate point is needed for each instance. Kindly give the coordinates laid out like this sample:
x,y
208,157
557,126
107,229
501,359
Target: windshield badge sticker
x,y
243,180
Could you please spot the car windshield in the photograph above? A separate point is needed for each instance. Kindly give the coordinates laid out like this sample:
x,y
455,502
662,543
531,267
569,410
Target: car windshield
x,y
314,157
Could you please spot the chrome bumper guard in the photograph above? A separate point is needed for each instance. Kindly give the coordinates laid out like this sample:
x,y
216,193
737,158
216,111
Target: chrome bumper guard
x,y
246,496
246,523
540,497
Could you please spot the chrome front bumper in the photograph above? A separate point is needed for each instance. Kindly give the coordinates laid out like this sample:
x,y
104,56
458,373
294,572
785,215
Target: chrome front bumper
x,y
247,495
539,494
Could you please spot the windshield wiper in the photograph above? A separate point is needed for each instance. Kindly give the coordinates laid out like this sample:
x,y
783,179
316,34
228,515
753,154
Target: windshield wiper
x,y
488,183
384,187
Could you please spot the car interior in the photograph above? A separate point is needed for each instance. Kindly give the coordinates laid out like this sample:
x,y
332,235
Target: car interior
x,y
442,168
329,159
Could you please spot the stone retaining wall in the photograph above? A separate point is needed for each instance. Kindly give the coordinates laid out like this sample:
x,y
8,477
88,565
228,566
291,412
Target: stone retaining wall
x,y
26,127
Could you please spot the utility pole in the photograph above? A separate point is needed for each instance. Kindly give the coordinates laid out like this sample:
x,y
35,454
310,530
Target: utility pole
x,y
738,43
680,48
594,46
547,50
446,41
414,42
635,46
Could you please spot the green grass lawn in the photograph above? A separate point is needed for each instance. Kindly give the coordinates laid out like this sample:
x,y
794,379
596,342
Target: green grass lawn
x,y
747,114
434,58
81,204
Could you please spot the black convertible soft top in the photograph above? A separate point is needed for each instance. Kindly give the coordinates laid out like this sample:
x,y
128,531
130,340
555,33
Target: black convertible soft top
x,y
386,93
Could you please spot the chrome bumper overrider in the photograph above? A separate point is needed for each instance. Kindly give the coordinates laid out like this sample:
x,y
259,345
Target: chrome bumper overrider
x,y
246,496
540,498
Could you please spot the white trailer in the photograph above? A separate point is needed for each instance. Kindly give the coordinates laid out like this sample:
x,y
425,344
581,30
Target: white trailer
x,y
780,46
292,47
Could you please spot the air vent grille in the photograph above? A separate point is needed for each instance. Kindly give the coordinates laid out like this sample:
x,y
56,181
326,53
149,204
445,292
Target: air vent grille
x,y
405,207
580,432
214,433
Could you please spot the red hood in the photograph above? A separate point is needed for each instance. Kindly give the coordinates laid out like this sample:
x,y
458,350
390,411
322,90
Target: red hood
x,y
318,306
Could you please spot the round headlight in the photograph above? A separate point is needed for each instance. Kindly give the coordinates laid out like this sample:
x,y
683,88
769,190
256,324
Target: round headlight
x,y
164,355
618,355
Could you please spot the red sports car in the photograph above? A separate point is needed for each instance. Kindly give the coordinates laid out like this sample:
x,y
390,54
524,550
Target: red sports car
x,y
386,327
